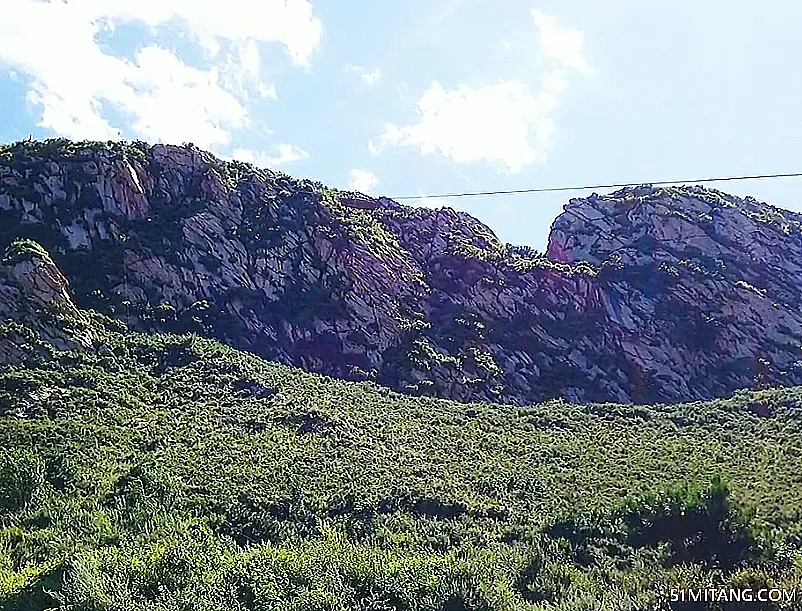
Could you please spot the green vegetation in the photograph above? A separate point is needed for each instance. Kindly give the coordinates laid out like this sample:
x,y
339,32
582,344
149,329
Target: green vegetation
x,y
31,153
170,472
25,250
361,226
520,264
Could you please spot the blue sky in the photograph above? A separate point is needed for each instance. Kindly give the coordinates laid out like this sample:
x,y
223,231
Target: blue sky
x,y
426,96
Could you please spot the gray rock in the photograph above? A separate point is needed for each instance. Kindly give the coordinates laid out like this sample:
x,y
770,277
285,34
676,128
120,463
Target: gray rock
x,y
646,294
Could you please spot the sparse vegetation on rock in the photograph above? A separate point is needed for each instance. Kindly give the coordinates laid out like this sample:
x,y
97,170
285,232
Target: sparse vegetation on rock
x,y
644,288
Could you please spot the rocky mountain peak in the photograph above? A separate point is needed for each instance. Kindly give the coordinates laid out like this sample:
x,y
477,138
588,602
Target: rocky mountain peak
x,y
646,294
644,224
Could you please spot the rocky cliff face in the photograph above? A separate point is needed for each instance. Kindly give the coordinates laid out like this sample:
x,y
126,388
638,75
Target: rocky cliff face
x,y
34,298
644,295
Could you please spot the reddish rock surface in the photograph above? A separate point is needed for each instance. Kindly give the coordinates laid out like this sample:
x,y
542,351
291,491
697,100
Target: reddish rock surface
x,y
644,295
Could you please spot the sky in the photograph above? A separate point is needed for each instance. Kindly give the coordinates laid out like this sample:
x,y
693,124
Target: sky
x,y
426,97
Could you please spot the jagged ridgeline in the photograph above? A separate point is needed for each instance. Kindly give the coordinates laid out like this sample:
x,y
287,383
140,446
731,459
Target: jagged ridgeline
x,y
643,295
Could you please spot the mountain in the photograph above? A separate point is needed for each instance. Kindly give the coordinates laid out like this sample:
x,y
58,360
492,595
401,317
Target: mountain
x,y
644,295
159,472
147,469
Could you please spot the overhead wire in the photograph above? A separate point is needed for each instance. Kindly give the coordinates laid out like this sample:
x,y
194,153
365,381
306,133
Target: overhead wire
x,y
600,186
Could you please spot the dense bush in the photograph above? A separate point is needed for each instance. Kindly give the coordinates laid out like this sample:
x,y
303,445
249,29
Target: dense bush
x,y
21,479
173,473
698,524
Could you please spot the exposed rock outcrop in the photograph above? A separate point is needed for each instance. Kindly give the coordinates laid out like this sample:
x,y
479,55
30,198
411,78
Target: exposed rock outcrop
x,y
35,293
644,295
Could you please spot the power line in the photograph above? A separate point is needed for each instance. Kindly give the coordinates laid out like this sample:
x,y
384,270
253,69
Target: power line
x,y
610,186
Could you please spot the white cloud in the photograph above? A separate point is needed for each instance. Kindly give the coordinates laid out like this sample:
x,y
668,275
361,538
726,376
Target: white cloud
x,y
371,77
76,84
176,103
289,22
506,123
242,72
284,154
208,43
362,181
503,123
562,45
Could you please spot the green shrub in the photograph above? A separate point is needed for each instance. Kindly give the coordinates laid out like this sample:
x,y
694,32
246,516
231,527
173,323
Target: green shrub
x,y
22,475
539,580
755,580
139,498
702,524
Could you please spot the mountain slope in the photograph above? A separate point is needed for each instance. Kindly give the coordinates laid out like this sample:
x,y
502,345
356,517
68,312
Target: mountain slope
x,y
645,295
145,472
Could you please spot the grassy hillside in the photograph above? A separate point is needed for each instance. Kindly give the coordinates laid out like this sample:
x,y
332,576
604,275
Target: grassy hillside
x,y
174,473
